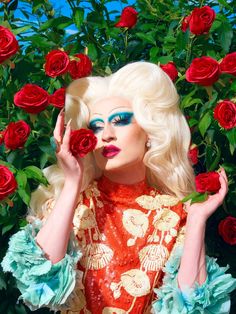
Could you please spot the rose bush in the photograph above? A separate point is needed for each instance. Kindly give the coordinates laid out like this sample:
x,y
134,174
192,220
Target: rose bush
x,y
207,182
8,44
16,134
225,114
82,142
227,230
31,98
8,183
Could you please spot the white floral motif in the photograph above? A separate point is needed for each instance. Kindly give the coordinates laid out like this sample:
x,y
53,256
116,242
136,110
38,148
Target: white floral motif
x,y
136,223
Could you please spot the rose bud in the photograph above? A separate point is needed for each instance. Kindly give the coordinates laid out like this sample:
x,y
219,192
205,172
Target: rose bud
x,y
225,114
82,142
57,99
228,64
207,182
193,154
31,98
8,44
170,69
204,71
80,67
227,230
128,18
8,182
201,20
57,62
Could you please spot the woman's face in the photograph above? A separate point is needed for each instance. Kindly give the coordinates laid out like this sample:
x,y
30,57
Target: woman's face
x,y
121,141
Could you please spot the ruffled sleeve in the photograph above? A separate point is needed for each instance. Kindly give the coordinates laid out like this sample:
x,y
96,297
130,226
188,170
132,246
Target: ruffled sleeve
x,y
210,297
41,283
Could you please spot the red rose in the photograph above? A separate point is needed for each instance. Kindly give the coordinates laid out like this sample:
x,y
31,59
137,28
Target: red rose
x,y
225,114
16,134
207,182
193,154
57,62
201,20
203,71
58,98
8,182
227,229
82,141
170,69
128,18
31,98
185,23
80,68
228,64
8,44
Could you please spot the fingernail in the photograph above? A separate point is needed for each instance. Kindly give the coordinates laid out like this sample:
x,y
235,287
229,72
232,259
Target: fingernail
x,y
62,111
69,122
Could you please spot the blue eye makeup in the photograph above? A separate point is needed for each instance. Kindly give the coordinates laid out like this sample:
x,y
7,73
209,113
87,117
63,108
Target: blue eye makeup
x,y
116,119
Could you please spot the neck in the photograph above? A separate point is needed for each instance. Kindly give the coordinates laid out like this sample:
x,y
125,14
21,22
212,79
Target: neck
x,y
127,176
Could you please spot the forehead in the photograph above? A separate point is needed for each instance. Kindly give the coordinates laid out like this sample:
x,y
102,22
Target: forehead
x,y
105,106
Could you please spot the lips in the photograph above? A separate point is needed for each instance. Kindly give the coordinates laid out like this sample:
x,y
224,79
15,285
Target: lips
x,y
110,151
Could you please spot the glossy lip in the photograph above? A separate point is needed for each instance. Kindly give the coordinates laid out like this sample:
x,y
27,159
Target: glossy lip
x,y
110,151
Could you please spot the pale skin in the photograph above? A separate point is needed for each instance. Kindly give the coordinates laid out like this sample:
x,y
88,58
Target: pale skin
x,y
131,139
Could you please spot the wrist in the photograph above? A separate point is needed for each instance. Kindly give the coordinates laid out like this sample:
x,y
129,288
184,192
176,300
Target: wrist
x,y
195,220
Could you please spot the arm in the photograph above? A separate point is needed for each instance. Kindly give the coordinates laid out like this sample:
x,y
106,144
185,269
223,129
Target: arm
x,y
194,283
46,273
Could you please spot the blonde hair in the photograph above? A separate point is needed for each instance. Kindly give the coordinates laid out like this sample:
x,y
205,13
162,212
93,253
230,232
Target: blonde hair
x,y
156,108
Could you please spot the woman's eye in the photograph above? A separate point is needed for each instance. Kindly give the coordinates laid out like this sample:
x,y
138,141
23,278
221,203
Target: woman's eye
x,y
122,119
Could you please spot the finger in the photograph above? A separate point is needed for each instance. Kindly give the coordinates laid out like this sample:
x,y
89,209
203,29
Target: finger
x,y
223,174
59,127
66,138
224,186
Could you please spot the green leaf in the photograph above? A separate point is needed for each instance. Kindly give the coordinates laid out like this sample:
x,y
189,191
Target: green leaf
x,y
205,123
92,51
21,179
7,228
35,173
215,162
60,22
20,30
225,35
154,54
79,17
148,37
25,194
199,198
190,196
165,59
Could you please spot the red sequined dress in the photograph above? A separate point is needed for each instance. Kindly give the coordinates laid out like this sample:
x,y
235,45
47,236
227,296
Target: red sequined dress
x,y
126,233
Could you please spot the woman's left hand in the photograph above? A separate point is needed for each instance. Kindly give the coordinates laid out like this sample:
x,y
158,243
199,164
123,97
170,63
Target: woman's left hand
x,y
205,209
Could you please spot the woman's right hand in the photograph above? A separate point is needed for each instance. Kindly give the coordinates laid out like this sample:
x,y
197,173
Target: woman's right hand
x,y
72,166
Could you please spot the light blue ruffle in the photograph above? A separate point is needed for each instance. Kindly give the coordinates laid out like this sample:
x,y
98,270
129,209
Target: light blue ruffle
x,y
40,282
210,298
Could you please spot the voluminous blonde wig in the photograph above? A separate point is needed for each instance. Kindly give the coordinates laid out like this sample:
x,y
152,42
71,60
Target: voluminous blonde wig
x,y
156,108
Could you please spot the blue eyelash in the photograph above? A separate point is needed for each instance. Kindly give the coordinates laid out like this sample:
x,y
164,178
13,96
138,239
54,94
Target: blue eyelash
x,y
95,128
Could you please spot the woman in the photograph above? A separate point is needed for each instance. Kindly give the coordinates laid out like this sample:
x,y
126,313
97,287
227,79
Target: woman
x,y
123,203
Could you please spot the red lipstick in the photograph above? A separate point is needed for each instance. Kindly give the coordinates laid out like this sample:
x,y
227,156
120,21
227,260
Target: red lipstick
x,y
110,151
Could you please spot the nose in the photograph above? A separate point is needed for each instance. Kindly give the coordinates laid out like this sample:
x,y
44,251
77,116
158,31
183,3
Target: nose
x,y
108,133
